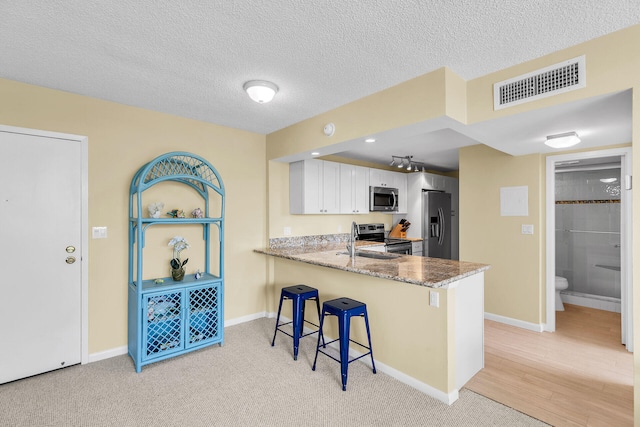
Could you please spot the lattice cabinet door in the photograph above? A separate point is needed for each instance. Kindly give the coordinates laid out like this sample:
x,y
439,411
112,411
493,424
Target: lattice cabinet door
x,y
204,316
162,324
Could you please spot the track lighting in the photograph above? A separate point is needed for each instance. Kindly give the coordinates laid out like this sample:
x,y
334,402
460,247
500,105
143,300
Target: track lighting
x,y
407,162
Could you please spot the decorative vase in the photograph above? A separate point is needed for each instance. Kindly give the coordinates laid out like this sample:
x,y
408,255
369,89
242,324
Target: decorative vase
x,y
177,274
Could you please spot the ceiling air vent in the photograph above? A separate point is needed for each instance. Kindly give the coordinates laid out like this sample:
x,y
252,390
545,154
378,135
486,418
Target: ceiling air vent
x,y
559,78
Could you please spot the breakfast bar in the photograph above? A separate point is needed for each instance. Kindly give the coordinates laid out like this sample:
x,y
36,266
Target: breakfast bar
x,y
426,314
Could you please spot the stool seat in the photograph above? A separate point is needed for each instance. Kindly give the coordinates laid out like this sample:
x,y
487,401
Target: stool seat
x,y
298,294
344,308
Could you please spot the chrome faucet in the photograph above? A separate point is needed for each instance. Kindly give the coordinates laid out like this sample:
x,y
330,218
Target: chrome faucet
x,y
351,247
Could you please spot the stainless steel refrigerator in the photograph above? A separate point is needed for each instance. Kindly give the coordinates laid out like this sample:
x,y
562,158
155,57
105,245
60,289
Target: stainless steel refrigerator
x,y
436,224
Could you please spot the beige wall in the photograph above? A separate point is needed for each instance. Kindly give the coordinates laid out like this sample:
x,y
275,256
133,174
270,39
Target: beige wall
x,y
127,137
515,284
512,284
122,139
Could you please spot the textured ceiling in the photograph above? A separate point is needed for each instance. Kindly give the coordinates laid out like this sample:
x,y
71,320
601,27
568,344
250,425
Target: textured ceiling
x,y
190,58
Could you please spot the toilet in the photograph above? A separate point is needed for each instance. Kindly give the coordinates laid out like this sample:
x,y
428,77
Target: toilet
x,y
561,284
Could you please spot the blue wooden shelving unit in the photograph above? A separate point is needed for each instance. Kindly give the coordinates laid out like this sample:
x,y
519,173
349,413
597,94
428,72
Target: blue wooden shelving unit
x,y
189,314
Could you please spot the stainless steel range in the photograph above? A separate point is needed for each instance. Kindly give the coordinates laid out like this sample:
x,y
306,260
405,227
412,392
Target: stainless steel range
x,y
375,233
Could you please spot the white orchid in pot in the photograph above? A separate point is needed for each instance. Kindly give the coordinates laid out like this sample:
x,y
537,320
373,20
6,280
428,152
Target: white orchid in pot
x,y
179,244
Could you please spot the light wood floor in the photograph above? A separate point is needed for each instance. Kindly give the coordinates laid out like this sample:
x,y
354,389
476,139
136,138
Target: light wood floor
x,y
580,375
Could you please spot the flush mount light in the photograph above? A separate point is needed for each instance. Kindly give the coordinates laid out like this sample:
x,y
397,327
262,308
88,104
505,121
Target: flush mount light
x,y
562,140
261,91
315,153
369,140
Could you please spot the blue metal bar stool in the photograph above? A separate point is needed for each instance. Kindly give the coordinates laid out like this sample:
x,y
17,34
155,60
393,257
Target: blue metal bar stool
x,y
298,294
344,309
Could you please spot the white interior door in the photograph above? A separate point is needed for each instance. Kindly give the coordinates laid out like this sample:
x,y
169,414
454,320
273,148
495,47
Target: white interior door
x,y
41,236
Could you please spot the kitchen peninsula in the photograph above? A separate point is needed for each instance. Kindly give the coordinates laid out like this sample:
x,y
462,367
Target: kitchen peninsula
x,y
426,314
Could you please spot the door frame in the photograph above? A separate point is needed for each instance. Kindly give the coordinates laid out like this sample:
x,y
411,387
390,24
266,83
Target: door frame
x,y
626,238
84,222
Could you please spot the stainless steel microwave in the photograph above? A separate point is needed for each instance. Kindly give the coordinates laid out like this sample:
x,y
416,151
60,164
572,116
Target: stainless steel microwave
x,y
383,199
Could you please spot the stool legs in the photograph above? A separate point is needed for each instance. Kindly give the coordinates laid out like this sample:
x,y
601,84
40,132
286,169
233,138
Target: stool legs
x,y
298,316
277,321
366,322
344,327
298,295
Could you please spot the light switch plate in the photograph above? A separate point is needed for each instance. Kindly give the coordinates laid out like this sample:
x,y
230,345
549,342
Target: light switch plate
x,y
99,232
527,228
287,231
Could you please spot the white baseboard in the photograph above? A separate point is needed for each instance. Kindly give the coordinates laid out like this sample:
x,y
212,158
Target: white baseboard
x,y
514,322
107,354
243,319
447,398
393,373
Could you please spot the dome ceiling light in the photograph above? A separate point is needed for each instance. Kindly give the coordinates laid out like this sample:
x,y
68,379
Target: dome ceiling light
x,y
261,91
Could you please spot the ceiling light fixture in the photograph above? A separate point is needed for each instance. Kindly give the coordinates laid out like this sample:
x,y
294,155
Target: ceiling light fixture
x,y
406,162
369,140
261,91
562,140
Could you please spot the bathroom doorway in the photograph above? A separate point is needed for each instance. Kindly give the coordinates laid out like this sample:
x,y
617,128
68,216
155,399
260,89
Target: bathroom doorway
x,y
589,233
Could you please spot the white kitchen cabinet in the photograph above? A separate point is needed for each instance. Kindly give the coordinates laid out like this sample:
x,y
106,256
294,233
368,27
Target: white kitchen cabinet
x,y
400,182
416,248
354,189
381,178
314,187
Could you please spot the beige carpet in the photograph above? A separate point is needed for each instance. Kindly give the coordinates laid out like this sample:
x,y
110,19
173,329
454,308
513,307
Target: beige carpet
x,y
245,383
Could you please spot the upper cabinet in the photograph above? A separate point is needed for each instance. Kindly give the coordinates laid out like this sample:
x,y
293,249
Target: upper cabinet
x,y
381,178
354,189
322,187
314,187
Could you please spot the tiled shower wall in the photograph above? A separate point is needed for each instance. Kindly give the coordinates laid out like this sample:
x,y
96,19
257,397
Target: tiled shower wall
x,y
588,231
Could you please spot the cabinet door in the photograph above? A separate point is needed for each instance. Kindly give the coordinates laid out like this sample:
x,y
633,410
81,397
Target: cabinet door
x,y
400,182
380,178
204,323
361,190
312,186
354,189
330,187
162,324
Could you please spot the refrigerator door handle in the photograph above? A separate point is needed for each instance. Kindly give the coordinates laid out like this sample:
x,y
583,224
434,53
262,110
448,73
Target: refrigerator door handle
x,y
442,226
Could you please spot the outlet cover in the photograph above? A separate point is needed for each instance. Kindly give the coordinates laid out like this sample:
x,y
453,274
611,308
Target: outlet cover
x,y
527,228
434,299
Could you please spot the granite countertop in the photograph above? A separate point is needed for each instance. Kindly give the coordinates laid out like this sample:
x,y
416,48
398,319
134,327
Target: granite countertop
x,y
423,271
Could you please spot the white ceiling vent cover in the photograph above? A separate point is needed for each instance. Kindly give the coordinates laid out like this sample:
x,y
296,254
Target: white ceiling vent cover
x,y
559,78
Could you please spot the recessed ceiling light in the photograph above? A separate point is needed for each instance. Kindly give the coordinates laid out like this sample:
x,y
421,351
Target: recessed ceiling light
x,y
369,140
315,153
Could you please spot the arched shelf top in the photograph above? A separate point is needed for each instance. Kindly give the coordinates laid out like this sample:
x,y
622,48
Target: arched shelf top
x,y
184,167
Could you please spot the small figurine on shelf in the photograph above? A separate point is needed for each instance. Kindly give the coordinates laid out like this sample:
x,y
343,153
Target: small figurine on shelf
x,y
154,209
197,213
176,213
179,244
198,274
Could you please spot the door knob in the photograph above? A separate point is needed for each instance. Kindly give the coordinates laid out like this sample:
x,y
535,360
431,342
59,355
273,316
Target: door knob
x,y
70,249
70,260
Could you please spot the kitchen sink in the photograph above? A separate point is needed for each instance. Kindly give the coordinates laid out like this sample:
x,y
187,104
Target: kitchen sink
x,y
374,255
